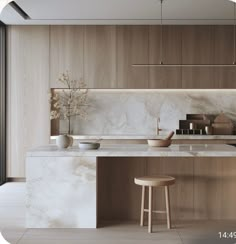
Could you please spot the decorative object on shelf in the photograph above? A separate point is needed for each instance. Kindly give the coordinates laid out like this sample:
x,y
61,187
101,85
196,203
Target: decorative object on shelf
x,y
208,130
195,124
69,102
64,141
161,143
89,145
206,124
222,125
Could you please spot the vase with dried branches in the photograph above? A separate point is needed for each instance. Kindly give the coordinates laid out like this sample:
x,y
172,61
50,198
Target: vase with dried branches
x,y
69,102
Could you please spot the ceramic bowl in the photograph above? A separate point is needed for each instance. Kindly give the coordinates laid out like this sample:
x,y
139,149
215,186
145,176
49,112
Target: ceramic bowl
x,y
159,143
89,145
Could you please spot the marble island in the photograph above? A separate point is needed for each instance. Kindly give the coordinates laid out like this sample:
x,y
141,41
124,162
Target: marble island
x,y
138,150
151,136
62,184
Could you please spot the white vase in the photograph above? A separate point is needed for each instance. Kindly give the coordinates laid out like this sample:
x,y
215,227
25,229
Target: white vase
x,y
63,141
71,141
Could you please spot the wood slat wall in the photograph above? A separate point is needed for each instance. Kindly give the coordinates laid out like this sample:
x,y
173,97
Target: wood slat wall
x,y
28,123
204,188
103,56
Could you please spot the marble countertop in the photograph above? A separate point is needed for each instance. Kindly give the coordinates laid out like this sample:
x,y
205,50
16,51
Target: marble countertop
x,y
144,137
138,150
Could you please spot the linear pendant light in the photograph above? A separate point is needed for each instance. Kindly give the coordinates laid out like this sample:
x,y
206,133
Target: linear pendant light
x,y
162,64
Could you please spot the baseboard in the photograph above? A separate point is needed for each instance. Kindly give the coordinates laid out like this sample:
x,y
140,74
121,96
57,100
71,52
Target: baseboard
x,y
12,179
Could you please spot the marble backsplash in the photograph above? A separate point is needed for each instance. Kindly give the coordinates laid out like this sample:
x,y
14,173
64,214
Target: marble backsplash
x,y
135,112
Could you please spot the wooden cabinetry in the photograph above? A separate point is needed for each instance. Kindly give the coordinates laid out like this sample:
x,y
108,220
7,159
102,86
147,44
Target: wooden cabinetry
x,y
66,53
165,77
204,188
224,54
100,56
198,45
132,48
103,56
198,48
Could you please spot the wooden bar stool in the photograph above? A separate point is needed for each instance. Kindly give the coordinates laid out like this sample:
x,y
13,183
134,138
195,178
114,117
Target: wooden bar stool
x,y
150,182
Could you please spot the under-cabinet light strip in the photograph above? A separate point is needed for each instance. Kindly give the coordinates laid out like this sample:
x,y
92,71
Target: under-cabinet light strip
x,y
115,90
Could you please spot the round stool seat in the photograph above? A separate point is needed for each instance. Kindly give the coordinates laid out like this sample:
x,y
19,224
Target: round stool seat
x,y
160,180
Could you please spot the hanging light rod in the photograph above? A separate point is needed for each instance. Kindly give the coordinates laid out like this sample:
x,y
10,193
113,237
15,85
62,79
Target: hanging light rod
x,y
184,65
162,64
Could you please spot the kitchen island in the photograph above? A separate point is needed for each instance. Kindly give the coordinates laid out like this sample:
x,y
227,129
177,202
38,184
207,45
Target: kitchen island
x,y
62,184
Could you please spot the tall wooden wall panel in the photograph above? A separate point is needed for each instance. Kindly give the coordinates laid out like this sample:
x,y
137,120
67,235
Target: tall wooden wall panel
x,y
27,93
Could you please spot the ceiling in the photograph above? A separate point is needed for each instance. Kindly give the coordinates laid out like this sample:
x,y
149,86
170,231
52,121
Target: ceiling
x,y
120,12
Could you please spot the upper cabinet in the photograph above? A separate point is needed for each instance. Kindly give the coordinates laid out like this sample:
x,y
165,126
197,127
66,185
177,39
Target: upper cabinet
x,y
198,45
224,54
66,53
132,48
103,56
100,56
170,53
198,48
223,44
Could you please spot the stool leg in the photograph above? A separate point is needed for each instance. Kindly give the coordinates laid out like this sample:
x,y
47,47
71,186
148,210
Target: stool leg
x,y
142,206
167,195
150,210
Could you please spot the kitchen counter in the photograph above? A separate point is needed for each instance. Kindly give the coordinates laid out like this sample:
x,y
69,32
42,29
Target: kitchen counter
x,y
61,185
145,137
138,150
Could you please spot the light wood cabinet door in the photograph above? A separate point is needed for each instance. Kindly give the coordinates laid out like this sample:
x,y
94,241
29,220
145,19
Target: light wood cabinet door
x,y
132,48
165,77
100,56
198,44
66,53
27,93
198,48
224,54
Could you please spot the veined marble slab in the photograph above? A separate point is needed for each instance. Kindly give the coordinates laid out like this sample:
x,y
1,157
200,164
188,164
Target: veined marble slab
x,y
135,112
145,137
138,150
61,192
61,184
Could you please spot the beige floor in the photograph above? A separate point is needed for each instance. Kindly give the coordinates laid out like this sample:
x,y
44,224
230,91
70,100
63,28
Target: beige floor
x,y
12,217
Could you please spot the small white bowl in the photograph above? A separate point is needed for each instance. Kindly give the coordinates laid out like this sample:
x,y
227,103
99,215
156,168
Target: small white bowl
x,y
89,145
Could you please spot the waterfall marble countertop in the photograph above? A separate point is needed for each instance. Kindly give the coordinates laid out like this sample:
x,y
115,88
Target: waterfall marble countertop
x,y
145,137
61,185
138,150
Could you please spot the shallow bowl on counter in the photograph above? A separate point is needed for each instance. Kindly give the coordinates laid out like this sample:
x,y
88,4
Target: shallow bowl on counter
x,y
159,143
89,145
